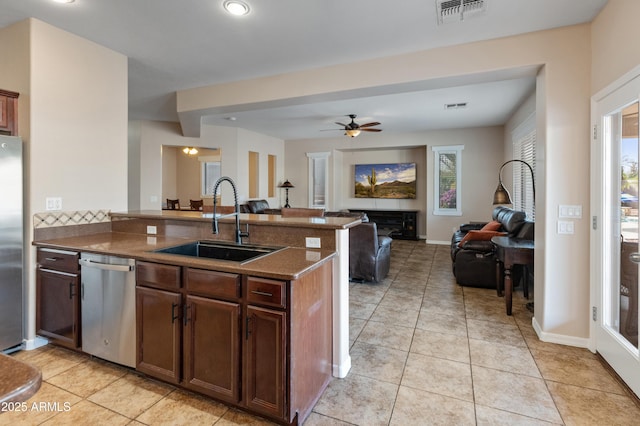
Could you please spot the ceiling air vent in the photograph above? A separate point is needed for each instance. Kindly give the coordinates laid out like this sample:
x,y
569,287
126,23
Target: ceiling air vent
x,y
459,10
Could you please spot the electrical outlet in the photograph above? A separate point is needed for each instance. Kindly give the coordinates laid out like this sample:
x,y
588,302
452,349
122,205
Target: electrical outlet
x,y
152,230
312,242
53,203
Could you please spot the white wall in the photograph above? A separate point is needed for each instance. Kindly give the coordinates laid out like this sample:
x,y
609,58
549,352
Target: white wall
x,y
78,122
563,57
264,146
73,121
169,173
181,174
234,144
614,45
481,158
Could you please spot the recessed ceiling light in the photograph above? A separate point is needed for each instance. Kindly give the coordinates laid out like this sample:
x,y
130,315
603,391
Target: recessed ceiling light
x,y
236,7
64,1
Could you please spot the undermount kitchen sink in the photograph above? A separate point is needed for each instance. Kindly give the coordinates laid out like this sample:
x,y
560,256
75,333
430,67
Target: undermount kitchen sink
x,y
220,250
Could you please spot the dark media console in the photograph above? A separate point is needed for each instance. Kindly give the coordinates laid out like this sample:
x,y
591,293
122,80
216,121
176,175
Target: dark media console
x,y
400,224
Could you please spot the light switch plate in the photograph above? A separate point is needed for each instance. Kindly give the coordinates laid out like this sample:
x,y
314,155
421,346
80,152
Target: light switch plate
x,y
565,227
569,212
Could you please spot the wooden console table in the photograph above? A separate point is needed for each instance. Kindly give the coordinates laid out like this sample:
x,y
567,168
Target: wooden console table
x,y
509,252
400,224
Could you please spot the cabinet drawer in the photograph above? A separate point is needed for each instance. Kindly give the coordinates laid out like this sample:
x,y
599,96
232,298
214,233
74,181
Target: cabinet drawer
x,y
59,260
266,292
212,283
157,275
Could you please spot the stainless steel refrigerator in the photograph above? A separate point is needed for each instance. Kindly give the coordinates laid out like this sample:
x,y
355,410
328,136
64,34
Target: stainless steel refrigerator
x,y
11,242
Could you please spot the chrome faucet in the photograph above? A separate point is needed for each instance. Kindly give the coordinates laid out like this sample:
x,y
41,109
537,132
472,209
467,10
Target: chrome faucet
x,y
236,213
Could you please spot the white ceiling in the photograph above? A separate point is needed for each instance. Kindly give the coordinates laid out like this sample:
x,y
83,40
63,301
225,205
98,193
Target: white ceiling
x,y
181,44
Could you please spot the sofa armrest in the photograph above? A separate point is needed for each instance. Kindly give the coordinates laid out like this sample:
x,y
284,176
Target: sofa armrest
x,y
384,241
478,246
472,226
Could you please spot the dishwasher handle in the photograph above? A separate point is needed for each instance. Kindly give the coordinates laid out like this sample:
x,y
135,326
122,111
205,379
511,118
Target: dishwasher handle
x,y
105,266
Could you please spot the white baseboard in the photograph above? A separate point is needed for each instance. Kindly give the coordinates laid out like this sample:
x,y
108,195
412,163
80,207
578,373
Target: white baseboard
x,y
442,243
341,371
562,339
31,344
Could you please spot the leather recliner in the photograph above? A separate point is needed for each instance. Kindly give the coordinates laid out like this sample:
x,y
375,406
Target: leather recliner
x,y
369,254
257,206
474,264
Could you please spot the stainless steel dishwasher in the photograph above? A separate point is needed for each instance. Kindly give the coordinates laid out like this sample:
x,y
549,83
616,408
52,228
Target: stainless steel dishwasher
x,y
108,305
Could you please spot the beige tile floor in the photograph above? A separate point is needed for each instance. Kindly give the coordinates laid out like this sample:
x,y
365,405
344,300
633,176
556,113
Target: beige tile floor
x,y
425,351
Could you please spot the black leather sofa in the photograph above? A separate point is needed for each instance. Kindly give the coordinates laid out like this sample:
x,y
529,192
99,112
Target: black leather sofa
x,y
474,262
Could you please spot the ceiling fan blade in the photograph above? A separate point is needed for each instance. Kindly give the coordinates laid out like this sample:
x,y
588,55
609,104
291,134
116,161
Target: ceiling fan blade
x,y
341,124
331,130
370,130
374,123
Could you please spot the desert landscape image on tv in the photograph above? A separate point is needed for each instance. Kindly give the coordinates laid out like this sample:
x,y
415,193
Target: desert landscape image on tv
x,y
392,180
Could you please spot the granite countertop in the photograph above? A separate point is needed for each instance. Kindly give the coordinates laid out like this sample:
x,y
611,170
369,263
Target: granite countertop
x,y
287,264
327,222
19,381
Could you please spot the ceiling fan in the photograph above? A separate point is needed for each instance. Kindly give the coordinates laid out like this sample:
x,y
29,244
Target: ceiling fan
x,y
353,129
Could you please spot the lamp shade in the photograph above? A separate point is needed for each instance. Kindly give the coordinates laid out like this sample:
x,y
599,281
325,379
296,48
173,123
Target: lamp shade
x,y
286,184
352,132
501,196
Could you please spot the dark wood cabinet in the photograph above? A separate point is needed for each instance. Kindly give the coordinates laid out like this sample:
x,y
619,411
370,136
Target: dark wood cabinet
x,y
265,360
158,333
58,297
400,224
231,336
8,113
212,347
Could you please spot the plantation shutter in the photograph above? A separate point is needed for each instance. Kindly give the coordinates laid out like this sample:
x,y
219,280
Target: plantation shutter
x,y
524,148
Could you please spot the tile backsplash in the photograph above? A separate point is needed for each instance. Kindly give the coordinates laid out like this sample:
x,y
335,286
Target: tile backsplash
x,y
70,218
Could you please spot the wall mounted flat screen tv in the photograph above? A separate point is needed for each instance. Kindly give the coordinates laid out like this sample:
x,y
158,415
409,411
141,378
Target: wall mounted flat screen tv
x,y
392,180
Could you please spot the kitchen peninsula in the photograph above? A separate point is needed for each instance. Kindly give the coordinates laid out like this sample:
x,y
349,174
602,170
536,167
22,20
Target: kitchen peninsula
x,y
269,326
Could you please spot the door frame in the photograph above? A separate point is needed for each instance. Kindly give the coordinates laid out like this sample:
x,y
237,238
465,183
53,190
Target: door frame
x,y
597,192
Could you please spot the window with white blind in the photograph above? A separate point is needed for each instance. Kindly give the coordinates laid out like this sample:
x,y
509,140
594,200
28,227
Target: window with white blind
x,y
318,179
524,148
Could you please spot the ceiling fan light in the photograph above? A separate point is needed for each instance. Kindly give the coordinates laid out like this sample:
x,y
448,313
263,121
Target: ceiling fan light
x,y
352,132
235,7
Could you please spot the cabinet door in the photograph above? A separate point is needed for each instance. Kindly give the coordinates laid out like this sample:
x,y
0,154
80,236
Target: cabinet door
x,y
58,307
158,326
8,110
265,361
212,347
409,230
